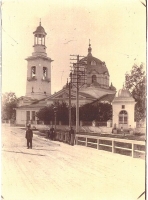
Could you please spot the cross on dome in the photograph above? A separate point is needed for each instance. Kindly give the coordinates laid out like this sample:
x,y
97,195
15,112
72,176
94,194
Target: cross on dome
x,y
89,49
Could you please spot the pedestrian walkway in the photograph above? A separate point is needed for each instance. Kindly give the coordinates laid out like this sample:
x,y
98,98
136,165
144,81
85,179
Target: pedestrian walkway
x,y
57,171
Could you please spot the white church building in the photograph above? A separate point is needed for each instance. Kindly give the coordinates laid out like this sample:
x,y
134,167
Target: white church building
x,y
96,87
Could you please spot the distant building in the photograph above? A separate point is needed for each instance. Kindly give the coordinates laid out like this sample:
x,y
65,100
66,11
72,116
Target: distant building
x,y
94,85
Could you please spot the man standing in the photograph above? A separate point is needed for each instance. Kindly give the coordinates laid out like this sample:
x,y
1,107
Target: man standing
x,y
48,133
72,136
52,133
29,136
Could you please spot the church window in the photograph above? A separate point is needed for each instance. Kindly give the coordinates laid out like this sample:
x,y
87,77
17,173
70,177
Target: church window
x,y
93,62
123,106
94,78
33,71
123,117
33,115
44,73
27,115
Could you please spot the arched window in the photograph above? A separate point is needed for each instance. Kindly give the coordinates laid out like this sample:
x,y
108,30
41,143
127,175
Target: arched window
x,y
33,71
94,78
44,73
123,117
93,62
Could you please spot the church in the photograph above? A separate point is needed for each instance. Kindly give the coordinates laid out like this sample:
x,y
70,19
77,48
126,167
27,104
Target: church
x,y
93,80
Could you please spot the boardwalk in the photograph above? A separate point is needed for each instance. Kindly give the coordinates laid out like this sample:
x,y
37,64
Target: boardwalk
x,y
57,171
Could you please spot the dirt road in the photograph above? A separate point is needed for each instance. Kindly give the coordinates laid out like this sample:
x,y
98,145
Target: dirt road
x,y
57,171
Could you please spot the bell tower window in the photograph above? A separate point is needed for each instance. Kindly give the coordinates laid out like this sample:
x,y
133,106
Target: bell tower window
x,y
44,73
40,40
33,72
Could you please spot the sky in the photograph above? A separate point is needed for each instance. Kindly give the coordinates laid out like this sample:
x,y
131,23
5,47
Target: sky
x,y
116,29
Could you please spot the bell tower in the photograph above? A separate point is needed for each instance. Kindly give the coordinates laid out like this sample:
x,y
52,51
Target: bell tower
x,y
38,83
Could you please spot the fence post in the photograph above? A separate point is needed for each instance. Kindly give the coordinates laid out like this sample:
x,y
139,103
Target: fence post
x,y
132,150
98,144
76,138
86,142
113,146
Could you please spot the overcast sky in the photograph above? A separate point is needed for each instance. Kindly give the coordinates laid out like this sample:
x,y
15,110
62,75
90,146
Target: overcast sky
x,y
117,30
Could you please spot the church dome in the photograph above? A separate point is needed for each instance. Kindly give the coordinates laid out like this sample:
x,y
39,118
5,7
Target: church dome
x,y
94,63
124,93
40,30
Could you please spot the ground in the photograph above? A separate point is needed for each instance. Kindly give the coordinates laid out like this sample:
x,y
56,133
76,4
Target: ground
x,y
57,171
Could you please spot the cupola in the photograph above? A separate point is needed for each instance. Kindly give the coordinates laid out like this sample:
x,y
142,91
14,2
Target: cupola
x,y
39,40
124,93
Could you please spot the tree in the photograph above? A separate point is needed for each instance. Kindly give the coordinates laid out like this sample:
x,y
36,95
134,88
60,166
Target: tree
x,y
88,112
46,114
104,112
9,103
99,111
62,112
135,82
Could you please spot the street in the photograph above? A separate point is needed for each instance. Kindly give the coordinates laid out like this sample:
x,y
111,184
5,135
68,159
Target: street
x,y
57,171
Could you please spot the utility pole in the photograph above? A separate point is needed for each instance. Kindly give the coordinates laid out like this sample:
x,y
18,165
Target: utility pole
x,y
77,74
77,96
70,123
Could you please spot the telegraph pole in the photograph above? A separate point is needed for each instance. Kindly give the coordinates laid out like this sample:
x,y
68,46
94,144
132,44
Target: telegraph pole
x,y
70,101
77,96
77,74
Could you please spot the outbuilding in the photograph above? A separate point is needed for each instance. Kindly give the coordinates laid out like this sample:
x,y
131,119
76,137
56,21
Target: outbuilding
x,y
123,109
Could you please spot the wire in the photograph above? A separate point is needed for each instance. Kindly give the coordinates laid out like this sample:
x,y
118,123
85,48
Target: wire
x,y
10,36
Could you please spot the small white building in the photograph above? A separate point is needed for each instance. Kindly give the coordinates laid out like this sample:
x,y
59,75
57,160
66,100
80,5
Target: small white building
x,y
123,109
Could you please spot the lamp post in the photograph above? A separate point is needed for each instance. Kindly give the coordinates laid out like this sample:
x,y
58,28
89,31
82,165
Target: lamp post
x,y
55,116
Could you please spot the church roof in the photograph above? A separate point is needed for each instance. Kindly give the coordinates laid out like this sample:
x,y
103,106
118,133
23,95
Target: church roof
x,y
34,103
105,98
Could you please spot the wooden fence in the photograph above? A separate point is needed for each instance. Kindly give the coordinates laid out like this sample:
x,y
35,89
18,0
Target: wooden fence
x,y
126,147
121,146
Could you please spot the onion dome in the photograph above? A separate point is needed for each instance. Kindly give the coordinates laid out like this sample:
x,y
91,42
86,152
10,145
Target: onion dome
x,y
124,93
40,30
94,63
112,87
66,86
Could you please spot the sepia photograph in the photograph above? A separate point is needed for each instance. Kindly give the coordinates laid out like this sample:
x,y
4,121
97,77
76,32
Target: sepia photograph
x,y
73,99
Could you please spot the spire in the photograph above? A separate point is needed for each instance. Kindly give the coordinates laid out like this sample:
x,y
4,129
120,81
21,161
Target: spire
x,y
123,86
89,49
